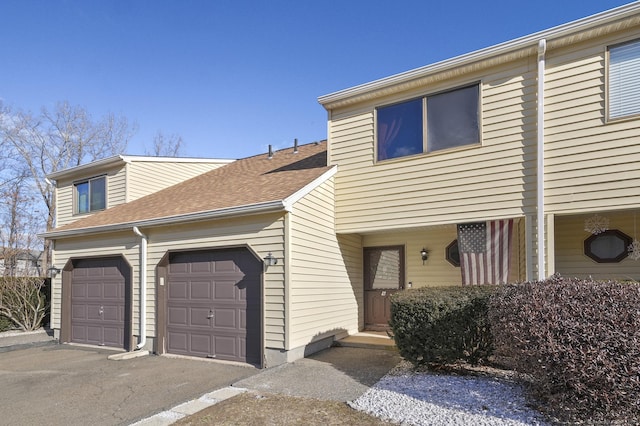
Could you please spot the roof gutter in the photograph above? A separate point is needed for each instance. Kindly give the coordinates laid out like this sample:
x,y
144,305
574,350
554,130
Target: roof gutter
x,y
142,266
266,207
95,165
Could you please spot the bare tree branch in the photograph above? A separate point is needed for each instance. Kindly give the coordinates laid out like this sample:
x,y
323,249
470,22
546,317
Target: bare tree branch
x,y
166,146
57,139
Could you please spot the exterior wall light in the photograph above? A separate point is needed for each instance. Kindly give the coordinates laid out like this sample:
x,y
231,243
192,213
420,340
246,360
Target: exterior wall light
x,y
53,271
270,260
424,253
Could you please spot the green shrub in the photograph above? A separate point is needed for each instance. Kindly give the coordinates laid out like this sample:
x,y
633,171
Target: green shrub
x,y
442,324
578,339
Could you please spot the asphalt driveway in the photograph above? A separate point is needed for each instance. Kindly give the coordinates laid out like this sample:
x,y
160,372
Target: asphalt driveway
x,y
69,385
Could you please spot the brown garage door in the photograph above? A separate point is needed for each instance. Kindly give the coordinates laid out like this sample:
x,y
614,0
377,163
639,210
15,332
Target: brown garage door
x,y
98,309
213,305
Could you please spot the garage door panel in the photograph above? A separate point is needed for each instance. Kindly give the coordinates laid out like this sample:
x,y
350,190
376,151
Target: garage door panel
x,y
226,290
177,342
178,316
112,336
79,290
79,333
226,347
200,267
216,280
226,318
243,319
93,313
94,335
111,271
200,317
179,290
94,290
201,290
178,268
111,313
112,291
242,347
228,265
201,344
78,312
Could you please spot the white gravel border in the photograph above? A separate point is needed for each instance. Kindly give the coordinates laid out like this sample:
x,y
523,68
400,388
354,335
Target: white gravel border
x,y
409,398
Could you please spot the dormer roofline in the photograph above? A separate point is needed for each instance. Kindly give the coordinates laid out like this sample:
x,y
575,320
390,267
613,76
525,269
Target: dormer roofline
x,y
106,163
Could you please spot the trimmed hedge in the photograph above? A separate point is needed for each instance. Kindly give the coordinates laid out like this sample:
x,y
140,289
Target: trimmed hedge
x,y
578,339
440,325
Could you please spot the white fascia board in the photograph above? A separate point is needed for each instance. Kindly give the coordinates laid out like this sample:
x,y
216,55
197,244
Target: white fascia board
x,y
266,207
151,159
98,164
125,159
531,40
305,190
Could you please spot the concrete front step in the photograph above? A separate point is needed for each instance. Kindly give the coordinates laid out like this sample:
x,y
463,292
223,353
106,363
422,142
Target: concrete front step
x,y
367,340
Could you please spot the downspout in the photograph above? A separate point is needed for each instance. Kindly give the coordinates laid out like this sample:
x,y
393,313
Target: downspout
x,y
540,222
142,264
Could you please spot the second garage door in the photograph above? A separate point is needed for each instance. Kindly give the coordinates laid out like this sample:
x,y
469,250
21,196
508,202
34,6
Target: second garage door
x,y
213,305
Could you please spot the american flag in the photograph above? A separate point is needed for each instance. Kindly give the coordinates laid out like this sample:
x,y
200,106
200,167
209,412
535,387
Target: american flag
x,y
485,251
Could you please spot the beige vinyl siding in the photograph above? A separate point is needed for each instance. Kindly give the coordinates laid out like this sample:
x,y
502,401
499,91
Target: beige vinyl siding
x,y
496,180
322,300
591,164
263,234
117,244
570,260
146,177
64,203
65,198
352,255
117,187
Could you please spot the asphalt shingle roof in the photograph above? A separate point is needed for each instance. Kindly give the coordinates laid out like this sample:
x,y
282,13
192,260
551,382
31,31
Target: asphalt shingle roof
x,y
247,181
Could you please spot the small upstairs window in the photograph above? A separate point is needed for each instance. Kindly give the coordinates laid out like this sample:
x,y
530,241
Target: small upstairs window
x,y
431,123
624,80
90,195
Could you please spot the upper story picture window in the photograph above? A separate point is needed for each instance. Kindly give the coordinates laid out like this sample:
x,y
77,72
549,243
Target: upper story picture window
x,y
90,195
435,122
624,80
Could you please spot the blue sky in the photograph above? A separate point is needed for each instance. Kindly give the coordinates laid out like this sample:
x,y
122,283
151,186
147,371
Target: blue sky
x,y
232,77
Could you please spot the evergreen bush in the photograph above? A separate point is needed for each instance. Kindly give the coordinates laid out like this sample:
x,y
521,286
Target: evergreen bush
x,y
441,325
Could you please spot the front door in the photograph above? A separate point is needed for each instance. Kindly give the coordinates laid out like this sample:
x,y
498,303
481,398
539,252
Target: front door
x,y
383,276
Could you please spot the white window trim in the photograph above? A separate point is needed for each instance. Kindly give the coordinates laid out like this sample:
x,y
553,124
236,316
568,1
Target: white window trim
x,y
425,142
609,85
